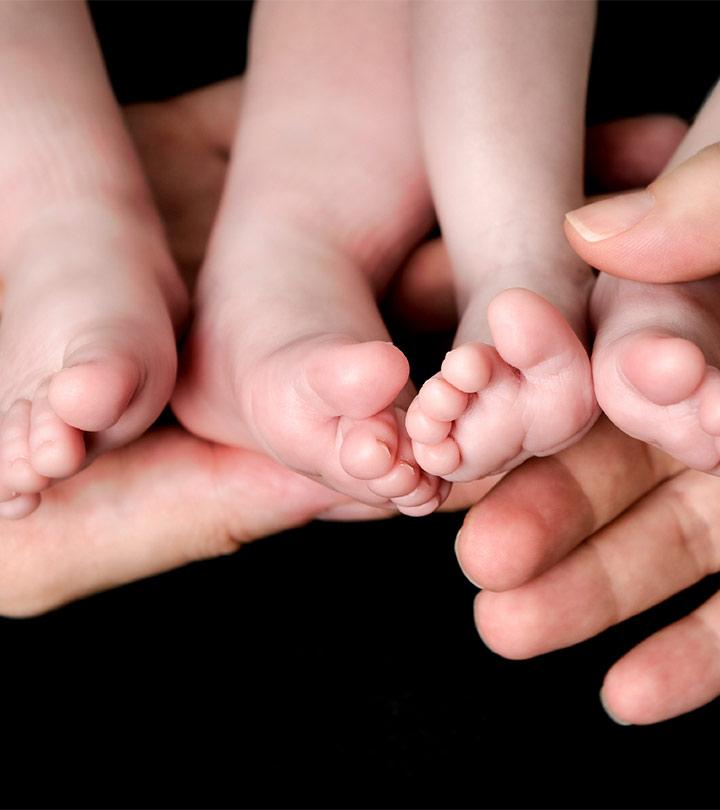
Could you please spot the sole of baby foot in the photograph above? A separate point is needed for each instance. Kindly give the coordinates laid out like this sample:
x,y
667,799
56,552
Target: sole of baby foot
x,y
103,395
77,386
655,365
324,406
492,407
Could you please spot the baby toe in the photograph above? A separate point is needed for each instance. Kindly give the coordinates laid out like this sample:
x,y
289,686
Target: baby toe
x,y
438,459
469,367
18,474
420,511
426,490
369,448
404,477
441,401
19,507
422,428
93,395
56,449
663,368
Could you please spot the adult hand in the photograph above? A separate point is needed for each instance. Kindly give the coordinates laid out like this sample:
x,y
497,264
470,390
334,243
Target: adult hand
x,y
171,498
568,545
575,543
669,231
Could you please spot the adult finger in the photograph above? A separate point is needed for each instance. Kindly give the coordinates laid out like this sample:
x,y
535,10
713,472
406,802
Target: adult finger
x,y
665,233
674,671
668,541
547,507
165,500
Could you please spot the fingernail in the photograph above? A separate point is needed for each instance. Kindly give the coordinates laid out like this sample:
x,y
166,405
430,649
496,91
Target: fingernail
x,y
610,714
465,573
605,218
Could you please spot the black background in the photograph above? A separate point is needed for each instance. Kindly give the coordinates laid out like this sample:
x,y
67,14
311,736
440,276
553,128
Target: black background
x,y
338,665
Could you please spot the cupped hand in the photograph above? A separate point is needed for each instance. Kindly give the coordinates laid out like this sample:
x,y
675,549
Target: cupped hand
x,y
570,545
171,498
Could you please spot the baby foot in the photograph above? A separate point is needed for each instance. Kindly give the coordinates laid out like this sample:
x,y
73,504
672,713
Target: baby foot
x,y
322,405
492,407
86,347
288,352
655,364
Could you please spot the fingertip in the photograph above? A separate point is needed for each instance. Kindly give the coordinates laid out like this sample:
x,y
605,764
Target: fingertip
x,y
608,711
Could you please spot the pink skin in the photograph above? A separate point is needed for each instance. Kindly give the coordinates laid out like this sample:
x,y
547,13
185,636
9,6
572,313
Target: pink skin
x,y
651,377
288,353
657,349
504,162
588,551
91,297
53,557
492,407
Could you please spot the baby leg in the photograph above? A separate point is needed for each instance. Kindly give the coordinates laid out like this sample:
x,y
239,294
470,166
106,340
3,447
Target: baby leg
x,y
657,350
501,89
90,295
288,352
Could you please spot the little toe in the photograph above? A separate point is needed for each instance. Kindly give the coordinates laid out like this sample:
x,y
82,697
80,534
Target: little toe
x,y
663,368
469,367
19,507
420,511
425,491
56,449
369,448
18,473
444,490
438,459
423,428
442,401
92,395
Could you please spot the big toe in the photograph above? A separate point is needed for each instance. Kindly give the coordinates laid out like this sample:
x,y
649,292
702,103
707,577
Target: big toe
x,y
529,332
663,368
94,394
357,379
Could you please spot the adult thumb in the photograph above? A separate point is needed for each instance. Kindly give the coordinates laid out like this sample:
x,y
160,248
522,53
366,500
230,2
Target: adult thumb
x,y
668,232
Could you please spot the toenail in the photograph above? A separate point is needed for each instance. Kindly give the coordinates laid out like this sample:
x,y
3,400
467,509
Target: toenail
x,y
386,447
407,465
